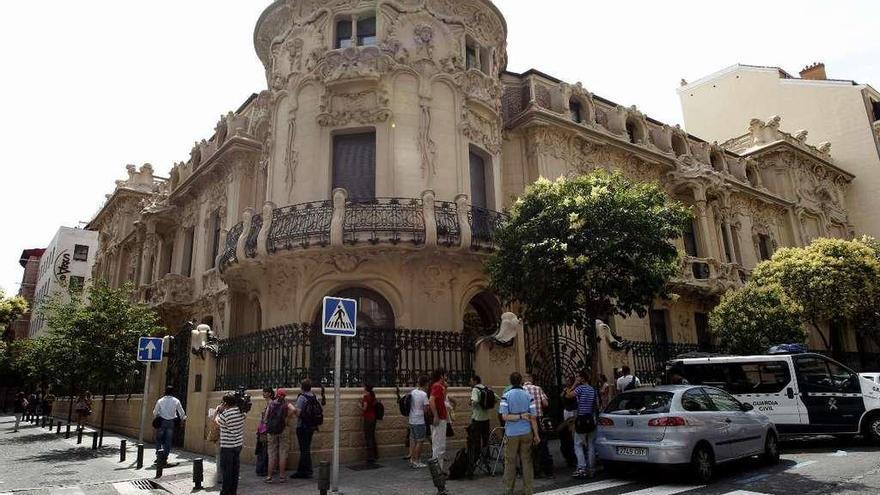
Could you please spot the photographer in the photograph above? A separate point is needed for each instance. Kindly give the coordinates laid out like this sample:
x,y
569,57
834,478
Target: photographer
x,y
230,419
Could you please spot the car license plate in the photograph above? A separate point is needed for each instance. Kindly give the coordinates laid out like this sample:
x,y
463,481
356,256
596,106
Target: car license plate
x,y
632,451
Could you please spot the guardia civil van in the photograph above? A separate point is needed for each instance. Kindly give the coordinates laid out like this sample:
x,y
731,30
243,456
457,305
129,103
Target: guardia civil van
x,y
802,393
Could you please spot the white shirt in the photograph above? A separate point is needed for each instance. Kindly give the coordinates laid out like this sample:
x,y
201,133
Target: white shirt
x,y
169,407
624,381
417,408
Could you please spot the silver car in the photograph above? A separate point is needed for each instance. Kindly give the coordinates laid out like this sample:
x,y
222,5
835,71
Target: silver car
x,y
695,426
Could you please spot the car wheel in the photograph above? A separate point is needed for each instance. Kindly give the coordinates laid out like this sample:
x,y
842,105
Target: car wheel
x,y
703,464
872,428
771,449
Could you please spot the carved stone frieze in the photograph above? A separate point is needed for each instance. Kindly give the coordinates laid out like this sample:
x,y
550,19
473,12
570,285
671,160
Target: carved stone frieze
x,y
482,131
363,107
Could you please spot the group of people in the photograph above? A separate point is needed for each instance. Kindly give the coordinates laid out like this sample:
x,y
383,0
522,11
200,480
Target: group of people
x,y
35,404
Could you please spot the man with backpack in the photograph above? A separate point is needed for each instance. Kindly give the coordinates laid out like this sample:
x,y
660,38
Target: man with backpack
x,y
278,437
542,459
627,380
482,402
311,416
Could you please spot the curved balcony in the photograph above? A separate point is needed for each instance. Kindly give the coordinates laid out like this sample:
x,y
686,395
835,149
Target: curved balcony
x,y
419,222
708,275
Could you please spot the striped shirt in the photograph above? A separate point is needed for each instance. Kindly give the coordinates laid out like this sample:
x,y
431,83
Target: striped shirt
x,y
586,398
231,423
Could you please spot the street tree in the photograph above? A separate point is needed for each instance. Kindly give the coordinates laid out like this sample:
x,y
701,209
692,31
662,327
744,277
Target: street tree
x,y
751,319
11,309
830,279
576,249
96,331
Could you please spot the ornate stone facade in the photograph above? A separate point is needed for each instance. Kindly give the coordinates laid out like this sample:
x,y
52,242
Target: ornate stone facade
x,y
253,229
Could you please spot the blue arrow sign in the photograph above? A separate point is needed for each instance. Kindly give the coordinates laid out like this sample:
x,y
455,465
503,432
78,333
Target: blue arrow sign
x,y
150,349
339,317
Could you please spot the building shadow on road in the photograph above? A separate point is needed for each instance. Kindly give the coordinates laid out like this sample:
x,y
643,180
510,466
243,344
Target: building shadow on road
x,y
26,439
72,455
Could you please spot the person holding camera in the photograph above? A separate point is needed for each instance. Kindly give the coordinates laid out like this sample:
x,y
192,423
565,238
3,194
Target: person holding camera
x,y
167,412
230,419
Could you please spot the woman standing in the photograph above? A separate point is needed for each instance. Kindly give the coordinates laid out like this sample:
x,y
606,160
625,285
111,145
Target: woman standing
x,y
262,450
604,389
83,409
18,408
368,409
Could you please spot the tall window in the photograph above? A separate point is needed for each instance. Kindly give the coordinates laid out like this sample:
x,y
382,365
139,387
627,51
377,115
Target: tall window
x,y
470,56
689,236
362,32
80,252
188,238
765,248
657,320
574,110
704,338
215,238
354,164
478,180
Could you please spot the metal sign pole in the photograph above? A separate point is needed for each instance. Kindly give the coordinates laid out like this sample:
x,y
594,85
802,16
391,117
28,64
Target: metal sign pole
x,y
334,474
144,403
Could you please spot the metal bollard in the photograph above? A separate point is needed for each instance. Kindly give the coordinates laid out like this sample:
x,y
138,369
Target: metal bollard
x,y
323,477
198,473
94,440
51,424
79,436
122,449
67,431
140,456
437,476
58,429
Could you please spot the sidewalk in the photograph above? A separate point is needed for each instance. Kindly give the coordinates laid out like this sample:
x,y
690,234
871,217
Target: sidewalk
x,y
38,461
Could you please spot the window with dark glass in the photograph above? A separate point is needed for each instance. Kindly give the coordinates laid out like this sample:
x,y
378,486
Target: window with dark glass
x,y
470,57
366,31
189,237
722,400
644,401
215,238
343,33
478,180
574,110
704,338
696,400
764,247
657,320
80,252
354,164
875,106
689,236
76,283
768,377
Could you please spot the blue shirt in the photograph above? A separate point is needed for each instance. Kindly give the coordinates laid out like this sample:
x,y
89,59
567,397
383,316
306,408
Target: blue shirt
x,y
586,399
517,401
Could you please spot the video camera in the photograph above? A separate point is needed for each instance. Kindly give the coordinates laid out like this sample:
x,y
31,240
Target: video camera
x,y
243,400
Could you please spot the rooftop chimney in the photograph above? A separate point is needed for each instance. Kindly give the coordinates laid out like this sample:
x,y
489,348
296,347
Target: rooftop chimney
x,y
816,71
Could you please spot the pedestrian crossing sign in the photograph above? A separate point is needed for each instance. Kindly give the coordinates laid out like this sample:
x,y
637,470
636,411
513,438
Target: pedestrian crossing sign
x,y
339,317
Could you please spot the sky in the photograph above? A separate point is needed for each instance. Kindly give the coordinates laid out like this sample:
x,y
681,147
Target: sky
x,y
90,86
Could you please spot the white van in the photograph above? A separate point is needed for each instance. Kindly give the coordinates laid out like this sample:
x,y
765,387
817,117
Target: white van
x,y
802,393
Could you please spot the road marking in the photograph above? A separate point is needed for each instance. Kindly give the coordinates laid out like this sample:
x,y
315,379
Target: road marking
x,y
801,464
127,488
588,488
664,490
743,481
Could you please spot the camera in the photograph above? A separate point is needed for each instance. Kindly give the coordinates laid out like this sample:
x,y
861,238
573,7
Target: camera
x,y
242,400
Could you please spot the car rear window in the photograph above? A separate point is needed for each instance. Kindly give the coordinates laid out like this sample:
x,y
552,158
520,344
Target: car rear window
x,y
640,402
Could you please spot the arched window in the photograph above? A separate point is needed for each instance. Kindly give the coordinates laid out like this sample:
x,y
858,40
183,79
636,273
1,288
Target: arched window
x,y
575,110
717,161
482,315
634,131
679,145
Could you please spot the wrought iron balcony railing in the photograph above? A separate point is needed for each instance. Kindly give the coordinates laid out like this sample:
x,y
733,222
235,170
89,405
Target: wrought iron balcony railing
x,y
338,222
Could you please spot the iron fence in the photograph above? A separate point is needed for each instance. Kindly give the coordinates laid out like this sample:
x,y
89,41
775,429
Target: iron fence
x,y
228,255
650,358
300,225
285,355
381,219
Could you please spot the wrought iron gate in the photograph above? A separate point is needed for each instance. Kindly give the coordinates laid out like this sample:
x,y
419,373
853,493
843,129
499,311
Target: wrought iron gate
x,y
177,373
552,355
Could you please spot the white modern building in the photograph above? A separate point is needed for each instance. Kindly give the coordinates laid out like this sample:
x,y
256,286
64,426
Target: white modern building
x,y
65,265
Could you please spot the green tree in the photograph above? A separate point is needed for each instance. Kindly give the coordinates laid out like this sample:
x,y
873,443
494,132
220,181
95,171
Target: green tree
x,y
751,319
579,248
831,279
11,309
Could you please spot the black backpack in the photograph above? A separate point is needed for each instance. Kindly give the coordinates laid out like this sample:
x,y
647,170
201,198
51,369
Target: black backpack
x,y
276,418
487,398
405,404
631,385
379,408
312,414
459,467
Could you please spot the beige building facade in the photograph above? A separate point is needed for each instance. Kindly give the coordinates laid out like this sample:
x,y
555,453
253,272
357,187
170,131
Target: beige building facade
x,y
839,115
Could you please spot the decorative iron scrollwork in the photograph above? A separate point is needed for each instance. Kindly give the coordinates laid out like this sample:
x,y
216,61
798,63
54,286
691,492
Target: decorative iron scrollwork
x,y
384,219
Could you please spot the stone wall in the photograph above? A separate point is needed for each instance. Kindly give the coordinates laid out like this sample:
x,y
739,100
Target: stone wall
x,y
122,416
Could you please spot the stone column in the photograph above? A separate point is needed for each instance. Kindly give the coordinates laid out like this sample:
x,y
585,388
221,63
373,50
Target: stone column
x,y
202,373
340,195
704,227
430,218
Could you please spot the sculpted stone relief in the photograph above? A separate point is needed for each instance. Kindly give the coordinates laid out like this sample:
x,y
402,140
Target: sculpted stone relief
x,y
481,130
363,107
